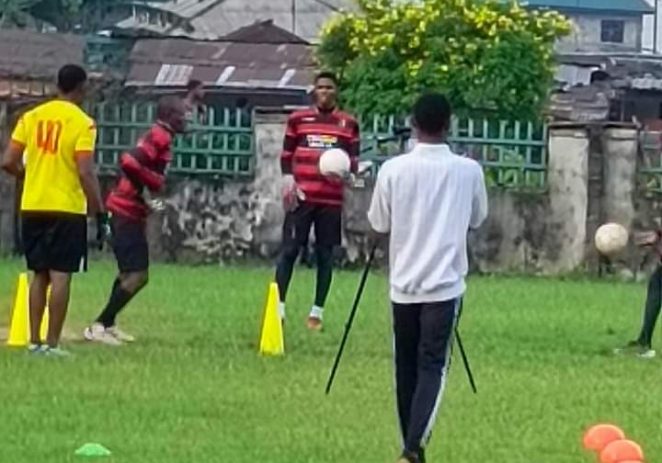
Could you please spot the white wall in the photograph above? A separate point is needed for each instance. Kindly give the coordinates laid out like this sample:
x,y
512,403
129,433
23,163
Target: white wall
x,y
648,28
587,34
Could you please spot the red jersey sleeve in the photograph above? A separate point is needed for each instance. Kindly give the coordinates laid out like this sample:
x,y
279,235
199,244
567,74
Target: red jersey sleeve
x,y
289,144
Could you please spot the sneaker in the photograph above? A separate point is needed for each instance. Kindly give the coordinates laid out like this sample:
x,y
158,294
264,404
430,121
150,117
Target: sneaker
x,y
636,349
647,354
97,333
314,324
120,335
409,458
54,352
35,349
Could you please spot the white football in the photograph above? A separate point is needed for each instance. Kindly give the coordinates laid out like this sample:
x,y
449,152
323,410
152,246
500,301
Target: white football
x,y
335,161
611,238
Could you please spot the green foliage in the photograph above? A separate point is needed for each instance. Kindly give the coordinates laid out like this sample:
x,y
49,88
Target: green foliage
x,y
485,55
14,13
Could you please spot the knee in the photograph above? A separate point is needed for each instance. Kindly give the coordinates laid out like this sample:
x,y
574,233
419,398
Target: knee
x,y
290,253
143,279
134,282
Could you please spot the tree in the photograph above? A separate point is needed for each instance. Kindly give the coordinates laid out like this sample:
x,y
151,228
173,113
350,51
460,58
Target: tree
x,y
486,55
15,13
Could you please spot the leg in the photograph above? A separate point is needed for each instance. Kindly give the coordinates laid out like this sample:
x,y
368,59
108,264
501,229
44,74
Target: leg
x,y
58,304
285,267
132,253
437,325
38,291
328,231
36,233
324,274
653,305
295,234
406,332
56,247
125,287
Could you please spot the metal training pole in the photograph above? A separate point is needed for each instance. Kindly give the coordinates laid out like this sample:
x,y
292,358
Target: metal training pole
x,y
465,359
467,367
348,325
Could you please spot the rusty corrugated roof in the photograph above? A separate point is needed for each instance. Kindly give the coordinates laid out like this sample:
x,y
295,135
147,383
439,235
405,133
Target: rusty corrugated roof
x,y
263,32
213,19
173,62
34,55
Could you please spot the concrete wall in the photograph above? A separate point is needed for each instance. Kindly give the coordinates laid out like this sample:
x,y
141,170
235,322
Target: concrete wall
x,y
591,180
7,191
209,221
586,35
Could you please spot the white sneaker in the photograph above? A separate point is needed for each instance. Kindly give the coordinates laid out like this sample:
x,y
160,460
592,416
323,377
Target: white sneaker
x,y
97,333
54,352
647,354
120,335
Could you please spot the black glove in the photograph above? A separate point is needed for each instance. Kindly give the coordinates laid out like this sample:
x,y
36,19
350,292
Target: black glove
x,y
103,229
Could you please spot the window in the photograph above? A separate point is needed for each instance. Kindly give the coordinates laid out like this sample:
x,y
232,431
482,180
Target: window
x,y
612,31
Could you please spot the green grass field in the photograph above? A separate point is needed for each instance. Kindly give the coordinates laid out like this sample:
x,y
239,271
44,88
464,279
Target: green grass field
x,y
194,389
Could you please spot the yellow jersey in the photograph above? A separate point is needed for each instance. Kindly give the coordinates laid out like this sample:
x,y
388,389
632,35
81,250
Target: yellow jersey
x,y
53,135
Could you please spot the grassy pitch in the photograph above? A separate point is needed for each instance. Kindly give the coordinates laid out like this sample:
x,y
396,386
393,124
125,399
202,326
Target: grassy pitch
x,y
193,389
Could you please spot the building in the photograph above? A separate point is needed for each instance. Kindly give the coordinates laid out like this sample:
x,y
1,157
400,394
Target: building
x,y
257,65
600,25
214,19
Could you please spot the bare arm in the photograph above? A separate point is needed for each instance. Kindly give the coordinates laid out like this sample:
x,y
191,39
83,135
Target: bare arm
x,y
90,182
12,161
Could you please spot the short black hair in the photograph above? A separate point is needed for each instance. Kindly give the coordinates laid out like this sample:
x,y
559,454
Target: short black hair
x,y
166,106
326,75
432,113
193,84
70,77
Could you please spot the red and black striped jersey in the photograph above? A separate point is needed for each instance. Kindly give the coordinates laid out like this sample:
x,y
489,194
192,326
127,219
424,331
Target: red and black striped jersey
x,y
142,167
309,133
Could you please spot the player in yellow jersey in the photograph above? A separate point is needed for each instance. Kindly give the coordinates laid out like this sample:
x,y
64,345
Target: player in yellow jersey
x,y
52,148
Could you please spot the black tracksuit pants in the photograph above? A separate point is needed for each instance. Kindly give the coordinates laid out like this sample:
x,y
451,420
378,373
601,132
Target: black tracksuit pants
x,y
653,305
423,343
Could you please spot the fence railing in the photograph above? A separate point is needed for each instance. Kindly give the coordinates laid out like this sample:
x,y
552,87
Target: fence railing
x,y
650,165
222,145
512,153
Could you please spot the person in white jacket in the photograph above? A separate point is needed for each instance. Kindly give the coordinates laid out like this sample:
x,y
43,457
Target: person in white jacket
x,y
426,201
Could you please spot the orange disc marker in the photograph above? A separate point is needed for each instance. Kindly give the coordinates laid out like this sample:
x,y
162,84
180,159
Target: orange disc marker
x,y
599,436
621,451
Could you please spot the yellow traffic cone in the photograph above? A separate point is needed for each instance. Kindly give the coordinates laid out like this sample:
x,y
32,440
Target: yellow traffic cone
x,y
19,328
43,329
271,338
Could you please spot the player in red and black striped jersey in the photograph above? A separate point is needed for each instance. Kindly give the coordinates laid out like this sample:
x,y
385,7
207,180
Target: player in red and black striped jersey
x,y
311,198
141,168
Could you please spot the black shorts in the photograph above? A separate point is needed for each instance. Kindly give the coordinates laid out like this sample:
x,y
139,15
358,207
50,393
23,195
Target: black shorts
x,y
327,221
54,241
130,244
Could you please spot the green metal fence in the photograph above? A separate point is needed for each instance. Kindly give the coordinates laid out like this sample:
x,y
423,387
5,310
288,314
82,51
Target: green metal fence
x,y
223,145
512,153
650,165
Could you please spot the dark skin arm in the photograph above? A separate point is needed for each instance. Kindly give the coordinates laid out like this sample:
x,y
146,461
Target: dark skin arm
x,y
12,161
89,182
